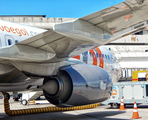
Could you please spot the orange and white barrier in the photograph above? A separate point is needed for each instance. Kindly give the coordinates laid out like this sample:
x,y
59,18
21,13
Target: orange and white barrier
x,y
135,112
122,105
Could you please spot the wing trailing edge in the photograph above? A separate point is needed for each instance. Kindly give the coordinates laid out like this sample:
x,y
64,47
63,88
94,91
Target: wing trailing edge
x,y
25,53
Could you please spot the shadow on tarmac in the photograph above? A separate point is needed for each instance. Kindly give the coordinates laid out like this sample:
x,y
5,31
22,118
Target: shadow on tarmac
x,y
138,106
70,115
131,107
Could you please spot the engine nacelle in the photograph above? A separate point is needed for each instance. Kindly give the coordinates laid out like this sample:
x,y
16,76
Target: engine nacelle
x,y
78,85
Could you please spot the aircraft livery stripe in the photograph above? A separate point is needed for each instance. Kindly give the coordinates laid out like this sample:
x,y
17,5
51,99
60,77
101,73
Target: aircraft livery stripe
x,y
100,57
77,57
94,57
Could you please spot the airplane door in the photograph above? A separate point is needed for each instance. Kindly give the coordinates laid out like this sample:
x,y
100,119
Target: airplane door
x,y
9,40
85,57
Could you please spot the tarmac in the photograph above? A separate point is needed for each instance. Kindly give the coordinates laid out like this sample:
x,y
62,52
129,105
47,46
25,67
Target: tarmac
x,y
103,112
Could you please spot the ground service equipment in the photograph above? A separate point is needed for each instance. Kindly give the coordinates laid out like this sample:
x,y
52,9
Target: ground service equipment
x,y
130,91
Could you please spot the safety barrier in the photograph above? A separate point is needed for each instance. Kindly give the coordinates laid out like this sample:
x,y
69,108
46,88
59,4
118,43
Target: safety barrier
x,y
42,110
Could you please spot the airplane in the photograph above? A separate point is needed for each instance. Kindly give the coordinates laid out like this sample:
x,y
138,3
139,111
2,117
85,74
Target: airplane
x,y
70,58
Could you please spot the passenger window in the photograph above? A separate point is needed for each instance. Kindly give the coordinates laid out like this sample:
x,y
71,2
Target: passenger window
x,y
94,55
100,56
16,41
106,56
103,55
9,42
97,55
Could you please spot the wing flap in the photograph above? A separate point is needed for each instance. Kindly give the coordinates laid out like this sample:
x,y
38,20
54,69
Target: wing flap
x,y
25,53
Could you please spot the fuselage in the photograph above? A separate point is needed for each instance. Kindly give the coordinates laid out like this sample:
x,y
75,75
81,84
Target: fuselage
x,y
102,57
11,33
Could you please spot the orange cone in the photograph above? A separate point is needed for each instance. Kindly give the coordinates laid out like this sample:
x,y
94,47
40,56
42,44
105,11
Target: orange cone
x,y
122,105
135,112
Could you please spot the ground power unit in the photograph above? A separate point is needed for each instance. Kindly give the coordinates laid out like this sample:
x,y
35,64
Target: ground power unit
x,y
130,91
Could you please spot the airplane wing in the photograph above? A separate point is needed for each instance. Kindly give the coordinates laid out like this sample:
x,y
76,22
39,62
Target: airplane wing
x,y
119,17
72,38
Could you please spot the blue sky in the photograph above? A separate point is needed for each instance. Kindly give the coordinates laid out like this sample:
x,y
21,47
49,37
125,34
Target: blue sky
x,y
54,8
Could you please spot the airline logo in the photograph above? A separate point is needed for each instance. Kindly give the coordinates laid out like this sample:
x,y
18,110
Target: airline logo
x,y
18,31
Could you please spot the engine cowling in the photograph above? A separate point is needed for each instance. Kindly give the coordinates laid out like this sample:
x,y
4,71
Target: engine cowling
x,y
77,85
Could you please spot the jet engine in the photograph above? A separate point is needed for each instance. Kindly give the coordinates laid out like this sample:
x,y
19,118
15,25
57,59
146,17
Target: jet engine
x,y
77,85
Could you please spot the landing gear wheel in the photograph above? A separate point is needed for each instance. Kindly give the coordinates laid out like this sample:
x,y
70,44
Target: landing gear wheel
x,y
24,102
114,105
